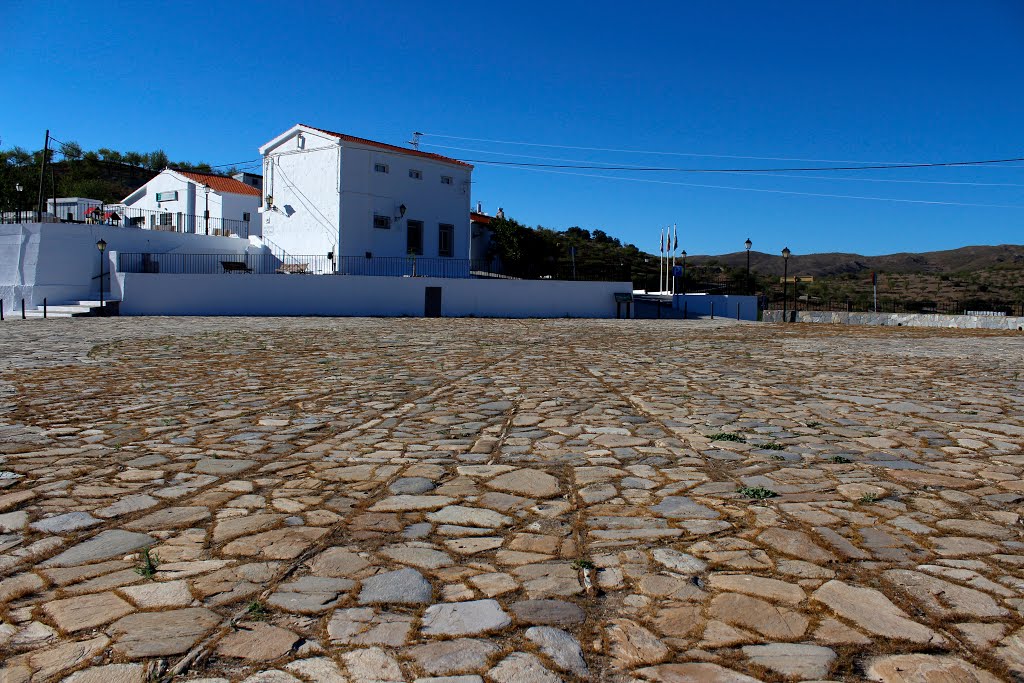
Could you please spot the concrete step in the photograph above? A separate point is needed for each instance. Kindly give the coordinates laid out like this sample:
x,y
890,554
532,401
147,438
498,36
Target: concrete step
x,y
80,309
96,303
49,314
66,308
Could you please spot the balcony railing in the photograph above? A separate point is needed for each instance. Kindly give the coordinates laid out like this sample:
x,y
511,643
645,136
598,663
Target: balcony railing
x,y
379,266
117,215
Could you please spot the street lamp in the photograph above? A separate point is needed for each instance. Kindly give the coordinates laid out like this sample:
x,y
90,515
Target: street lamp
x,y
102,247
684,271
748,244
785,281
20,188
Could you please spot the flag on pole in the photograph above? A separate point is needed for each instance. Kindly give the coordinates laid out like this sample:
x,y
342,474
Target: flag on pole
x,y
675,229
661,241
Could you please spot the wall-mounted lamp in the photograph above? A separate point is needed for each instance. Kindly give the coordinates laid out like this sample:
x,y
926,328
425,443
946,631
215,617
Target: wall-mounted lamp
x,y
401,212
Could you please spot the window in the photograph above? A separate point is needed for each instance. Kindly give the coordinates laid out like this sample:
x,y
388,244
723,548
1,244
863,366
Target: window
x,y
417,175
414,238
445,239
245,216
380,168
382,222
446,180
166,218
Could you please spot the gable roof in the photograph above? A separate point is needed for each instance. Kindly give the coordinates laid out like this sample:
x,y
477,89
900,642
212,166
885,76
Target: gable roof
x,y
390,148
219,183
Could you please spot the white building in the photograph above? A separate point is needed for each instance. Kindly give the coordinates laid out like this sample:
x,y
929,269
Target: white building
x,y
72,209
362,200
198,203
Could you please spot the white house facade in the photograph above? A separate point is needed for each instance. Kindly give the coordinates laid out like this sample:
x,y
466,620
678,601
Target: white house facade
x,y
364,201
199,203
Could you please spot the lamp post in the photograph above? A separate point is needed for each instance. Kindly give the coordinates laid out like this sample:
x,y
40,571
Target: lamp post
x,y
748,244
17,207
206,212
785,281
683,284
102,247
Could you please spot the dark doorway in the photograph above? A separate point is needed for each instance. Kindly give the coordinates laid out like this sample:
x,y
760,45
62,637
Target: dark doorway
x,y
432,302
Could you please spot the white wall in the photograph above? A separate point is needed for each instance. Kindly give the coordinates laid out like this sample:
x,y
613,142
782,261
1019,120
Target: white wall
x,y
304,182
725,305
59,260
341,295
968,322
366,192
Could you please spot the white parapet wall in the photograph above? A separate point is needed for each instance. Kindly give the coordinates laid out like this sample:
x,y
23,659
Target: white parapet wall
x,y
354,295
967,322
60,262
720,305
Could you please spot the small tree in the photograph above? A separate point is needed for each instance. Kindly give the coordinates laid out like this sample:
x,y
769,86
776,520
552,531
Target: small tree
x,y
71,150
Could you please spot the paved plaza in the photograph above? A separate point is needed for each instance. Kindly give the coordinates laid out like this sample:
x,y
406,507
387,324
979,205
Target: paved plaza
x,y
329,500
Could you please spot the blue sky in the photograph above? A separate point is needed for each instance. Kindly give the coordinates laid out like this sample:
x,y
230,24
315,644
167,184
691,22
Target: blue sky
x,y
869,80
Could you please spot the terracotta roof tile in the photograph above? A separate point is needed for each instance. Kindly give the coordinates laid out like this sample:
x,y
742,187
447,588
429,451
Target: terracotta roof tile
x,y
391,148
219,183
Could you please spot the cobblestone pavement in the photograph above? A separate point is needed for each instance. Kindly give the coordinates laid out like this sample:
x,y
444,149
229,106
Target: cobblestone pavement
x,y
285,500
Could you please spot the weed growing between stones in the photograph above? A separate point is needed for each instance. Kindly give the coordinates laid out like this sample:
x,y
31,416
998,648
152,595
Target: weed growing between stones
x,y
257,611
728,436
839,459
772,446
150,562
756,492
582,564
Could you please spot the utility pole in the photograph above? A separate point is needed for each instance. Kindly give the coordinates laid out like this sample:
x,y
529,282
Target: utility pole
x,y
42,171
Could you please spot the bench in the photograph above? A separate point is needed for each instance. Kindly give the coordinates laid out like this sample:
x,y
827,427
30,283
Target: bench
x,y
293,268
235,267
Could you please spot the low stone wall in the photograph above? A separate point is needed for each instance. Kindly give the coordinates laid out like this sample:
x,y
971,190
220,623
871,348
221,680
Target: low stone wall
x,y
979,322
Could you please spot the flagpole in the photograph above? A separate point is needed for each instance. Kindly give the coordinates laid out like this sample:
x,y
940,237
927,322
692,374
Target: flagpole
x,y
668,247
661,254
675,245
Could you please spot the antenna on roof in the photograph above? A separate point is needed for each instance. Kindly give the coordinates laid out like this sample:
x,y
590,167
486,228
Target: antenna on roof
x,y
415,142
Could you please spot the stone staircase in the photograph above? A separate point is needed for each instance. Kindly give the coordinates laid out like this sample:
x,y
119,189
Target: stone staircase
x,y
79,309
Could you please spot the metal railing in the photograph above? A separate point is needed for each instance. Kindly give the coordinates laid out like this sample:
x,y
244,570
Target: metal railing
x,y
117,215
290,264
892,305
216,264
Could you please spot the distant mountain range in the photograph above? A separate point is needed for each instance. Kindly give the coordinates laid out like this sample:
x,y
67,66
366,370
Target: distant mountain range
x,y
964,259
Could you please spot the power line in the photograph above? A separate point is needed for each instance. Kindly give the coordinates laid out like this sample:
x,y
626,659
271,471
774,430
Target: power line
x,y
660,152
590,167
770,191
768,173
